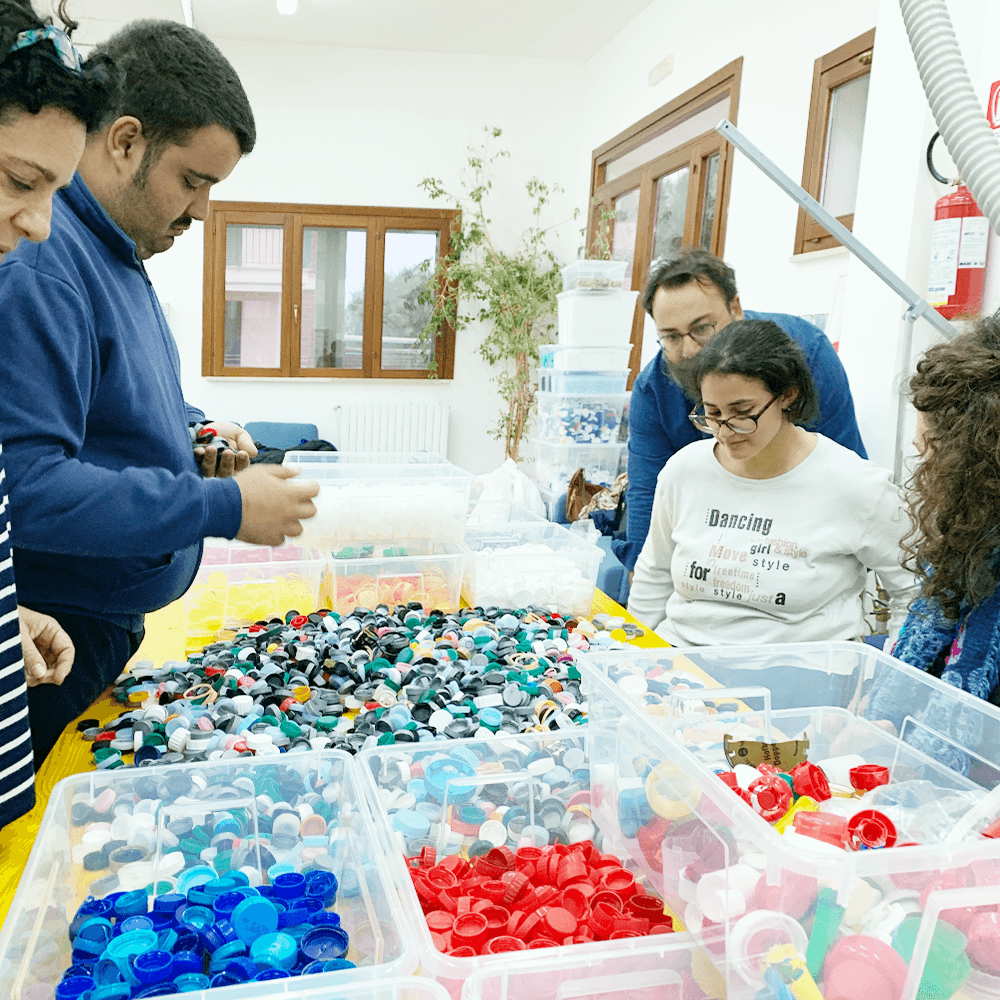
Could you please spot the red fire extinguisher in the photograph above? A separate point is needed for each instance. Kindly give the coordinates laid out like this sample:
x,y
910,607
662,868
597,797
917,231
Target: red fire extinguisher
x,y
958,250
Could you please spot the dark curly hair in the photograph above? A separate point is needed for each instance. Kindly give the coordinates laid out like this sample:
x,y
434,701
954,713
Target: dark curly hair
x,y
760,349
689,265
32,78
953,495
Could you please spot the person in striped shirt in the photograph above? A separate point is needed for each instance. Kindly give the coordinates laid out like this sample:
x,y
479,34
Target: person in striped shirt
x,y
48,104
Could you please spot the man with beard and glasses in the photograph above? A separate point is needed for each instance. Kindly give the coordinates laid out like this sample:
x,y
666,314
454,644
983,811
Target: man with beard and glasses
x,y
691,297
110,501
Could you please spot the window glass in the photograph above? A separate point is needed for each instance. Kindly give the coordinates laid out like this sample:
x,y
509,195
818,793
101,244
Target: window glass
x,y
671,206
403,315
254,257
626,222
333,297
708,206
842,166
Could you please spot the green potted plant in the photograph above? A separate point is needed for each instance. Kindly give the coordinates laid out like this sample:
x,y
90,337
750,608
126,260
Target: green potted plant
x,y
514,289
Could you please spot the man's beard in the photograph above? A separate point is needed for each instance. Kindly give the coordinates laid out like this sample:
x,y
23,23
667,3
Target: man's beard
x,y
682,372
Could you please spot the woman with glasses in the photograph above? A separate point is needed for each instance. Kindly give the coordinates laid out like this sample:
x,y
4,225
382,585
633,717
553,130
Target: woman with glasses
x,y
48,104
764,532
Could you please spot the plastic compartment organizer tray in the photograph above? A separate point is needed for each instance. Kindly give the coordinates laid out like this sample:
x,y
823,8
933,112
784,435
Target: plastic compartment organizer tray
x,y
595,275
579,418
898,916
596,319
238,584
584,359
203,830
517,565
379,573
550,380
556,463
521,792
360,503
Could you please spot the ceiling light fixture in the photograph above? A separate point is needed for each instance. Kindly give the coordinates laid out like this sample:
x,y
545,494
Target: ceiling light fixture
x,y
287,6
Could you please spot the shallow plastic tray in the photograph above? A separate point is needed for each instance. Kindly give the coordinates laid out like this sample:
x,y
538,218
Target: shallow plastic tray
x,y
34,941
555,463
842,697
594,275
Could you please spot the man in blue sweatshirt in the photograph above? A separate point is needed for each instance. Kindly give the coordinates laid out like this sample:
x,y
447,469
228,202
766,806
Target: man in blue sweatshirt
x,y
108,498
691,296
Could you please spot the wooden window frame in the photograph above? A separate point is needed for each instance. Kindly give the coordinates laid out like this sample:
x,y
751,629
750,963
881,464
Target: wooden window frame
x,y
693,154
850,61
294,218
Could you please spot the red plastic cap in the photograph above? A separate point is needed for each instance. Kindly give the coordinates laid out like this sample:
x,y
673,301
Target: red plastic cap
x,y
770,796
558,923
505,942
810,780
470,929
828,827
870,829
865,777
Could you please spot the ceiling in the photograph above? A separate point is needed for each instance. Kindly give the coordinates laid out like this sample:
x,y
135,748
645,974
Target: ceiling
x,y
552,29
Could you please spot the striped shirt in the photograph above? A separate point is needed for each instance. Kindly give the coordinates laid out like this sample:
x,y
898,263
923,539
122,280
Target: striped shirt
x,y
17,771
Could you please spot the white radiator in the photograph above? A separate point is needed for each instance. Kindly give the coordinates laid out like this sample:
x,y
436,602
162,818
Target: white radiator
x,y
393,427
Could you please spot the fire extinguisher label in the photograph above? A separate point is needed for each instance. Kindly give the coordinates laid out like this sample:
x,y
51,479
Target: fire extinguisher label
x,y
945,239
975,233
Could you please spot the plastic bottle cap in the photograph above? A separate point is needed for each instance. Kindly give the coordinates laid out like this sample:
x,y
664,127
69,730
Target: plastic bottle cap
x,y
870,829
277,951
324,943
810,780
869,776
494,832
153,967
255,916
860,967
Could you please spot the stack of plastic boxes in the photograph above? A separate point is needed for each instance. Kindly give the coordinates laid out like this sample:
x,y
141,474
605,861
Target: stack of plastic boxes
x,y
392,527
582,398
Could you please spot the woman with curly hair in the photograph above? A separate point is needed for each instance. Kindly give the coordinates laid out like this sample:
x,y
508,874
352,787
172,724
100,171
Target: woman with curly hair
x,y
953,629
48,104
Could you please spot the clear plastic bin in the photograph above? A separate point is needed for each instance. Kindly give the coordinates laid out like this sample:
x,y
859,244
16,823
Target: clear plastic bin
x,y
725,863
594,275
550,380
364,575
35,946
494,512
238,584
517,565
584,359
580,418
364,458
477,775
556,463
361,503
596,319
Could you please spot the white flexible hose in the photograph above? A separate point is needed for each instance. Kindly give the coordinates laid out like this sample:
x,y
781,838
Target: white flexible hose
x,y
958,113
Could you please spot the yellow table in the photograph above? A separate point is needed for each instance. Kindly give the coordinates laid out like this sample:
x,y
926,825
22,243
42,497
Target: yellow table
x,y
71,755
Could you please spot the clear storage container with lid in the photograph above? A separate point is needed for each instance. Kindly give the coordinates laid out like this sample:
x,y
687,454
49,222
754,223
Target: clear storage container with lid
x,y
596,319
883,886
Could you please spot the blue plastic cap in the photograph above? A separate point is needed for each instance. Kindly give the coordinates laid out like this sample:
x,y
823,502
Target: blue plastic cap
x,y
131,904
325,918
197,916
325,942
275,951
93,937
227,902
138,923
113,991
168,903
337,964
323,884
198,875
411,824
263,977
73,987
255,916
289,885
153,967
293,915
224,979
224,955
242,967
191,982
188,939
187,961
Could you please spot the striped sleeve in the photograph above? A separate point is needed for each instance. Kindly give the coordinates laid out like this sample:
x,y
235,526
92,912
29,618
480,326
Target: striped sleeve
x,y
17,771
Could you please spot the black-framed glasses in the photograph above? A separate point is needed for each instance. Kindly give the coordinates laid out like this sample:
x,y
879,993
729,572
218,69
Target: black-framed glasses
x,y
700,333
741,424
65,52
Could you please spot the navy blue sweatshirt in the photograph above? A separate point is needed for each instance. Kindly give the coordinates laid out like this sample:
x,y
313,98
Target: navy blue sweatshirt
x,y
659,425
107,504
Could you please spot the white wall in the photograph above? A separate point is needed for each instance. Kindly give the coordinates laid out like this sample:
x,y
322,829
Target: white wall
x,y
779,41
363,127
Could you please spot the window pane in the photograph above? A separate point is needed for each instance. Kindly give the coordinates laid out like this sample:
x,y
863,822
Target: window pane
x,y
333,297
623,234
672,137
708,207
671,207
253,296
848,103
403,316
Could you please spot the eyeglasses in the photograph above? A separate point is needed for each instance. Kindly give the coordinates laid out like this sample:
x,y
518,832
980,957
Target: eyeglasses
x,y
700,333
742,424
65,52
